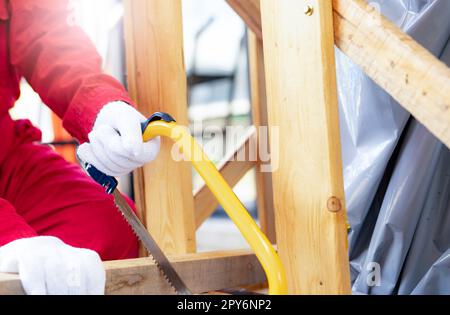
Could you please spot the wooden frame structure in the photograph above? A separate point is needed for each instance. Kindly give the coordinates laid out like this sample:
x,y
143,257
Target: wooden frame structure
x,y
293,83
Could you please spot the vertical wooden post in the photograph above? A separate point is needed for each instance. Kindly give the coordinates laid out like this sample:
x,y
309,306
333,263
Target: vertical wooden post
x,y
264,190
308,185
157,82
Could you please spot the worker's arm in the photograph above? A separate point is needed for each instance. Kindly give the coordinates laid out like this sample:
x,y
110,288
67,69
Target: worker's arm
x,y
62,65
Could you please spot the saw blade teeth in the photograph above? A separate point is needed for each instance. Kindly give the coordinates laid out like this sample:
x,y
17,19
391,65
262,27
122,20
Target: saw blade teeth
x,y
151,257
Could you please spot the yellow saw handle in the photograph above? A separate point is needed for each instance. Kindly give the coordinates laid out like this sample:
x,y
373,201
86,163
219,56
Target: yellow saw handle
x,y
259,243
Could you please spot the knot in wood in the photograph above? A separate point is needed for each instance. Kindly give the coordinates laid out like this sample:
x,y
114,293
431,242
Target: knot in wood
x,y
334,204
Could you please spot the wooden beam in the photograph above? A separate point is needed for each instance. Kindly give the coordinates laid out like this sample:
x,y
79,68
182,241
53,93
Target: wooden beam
x,y
249,10
202,273
157,82
232,170
406,70
308,185
264,199
402,67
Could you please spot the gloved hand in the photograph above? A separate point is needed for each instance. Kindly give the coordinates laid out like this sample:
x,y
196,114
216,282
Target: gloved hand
x,y
46,265
116,147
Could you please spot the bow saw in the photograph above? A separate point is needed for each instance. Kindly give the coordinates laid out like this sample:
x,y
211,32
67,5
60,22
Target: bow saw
x,y
161,124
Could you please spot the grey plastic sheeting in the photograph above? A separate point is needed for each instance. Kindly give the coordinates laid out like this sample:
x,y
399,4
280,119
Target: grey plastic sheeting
x,y
397,175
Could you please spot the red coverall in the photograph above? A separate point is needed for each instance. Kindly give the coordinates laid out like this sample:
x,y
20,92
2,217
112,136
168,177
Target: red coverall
x,y
40,193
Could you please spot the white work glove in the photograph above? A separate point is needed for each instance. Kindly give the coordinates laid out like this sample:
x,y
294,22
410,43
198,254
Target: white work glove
x,y
46,265
115,143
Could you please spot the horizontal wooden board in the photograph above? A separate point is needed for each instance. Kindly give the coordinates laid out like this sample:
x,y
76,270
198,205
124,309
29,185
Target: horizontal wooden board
x,y
203,272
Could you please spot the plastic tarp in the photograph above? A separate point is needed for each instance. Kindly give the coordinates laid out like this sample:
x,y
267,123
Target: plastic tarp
x,y
397,175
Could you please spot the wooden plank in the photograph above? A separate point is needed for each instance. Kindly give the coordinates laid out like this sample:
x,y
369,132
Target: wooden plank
x,y
397,63
247,9
232,170
406,70
203,272
264,199
157,82
308,185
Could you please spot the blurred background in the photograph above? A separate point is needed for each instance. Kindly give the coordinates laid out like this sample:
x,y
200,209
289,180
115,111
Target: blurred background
x,y
217,74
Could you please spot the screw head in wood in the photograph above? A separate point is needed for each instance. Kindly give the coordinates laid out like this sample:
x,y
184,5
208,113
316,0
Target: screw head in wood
x,y
308,10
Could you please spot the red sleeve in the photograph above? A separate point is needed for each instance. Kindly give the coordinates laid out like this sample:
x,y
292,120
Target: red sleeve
x,y
61,63
12,226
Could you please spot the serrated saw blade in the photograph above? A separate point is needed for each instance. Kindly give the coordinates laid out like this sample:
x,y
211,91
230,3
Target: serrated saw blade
x,y
150,244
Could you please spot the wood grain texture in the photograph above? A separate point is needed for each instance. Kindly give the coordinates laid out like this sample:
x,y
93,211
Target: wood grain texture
x,y
233,170
302,103
202,273
406,70
264,199
397,63
157,82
